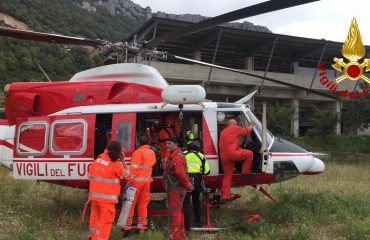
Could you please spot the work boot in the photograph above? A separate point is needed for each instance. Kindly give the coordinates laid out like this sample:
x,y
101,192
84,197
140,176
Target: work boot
x,y
125,234
198,225
224,201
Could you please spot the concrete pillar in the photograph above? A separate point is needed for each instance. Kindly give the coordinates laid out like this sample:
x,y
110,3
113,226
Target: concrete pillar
x,y
295,67
295,118
197,55
337,106
248,63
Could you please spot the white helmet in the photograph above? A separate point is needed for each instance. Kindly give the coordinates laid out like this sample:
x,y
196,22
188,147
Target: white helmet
x,y
220,117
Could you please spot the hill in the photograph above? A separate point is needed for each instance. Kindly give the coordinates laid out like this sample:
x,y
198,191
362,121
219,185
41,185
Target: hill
x,y
91,19
110,20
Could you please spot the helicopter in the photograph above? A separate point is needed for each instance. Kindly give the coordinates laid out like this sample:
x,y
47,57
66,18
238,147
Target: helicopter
x,y
54,130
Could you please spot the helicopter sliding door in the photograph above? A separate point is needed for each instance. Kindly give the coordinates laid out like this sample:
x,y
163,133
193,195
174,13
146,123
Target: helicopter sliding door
x,y
124,131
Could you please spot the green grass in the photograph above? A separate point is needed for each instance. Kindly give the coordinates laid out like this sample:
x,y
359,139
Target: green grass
x,y
332,205
341,143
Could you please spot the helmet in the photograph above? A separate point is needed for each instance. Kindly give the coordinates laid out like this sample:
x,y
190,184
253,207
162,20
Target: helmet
x,y
190,137
220,117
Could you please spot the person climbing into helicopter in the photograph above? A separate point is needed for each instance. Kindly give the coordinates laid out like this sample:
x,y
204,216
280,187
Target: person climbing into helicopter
x,y
197,165
105,187
231,153
176,182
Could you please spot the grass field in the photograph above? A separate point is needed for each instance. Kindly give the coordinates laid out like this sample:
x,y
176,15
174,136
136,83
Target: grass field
x,y
333,205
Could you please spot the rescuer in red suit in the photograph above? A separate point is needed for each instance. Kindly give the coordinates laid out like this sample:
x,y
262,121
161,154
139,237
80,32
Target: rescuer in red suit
x,y
231,153
176,182
105,174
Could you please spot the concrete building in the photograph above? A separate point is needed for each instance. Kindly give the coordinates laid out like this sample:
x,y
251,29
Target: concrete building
x,y
290,59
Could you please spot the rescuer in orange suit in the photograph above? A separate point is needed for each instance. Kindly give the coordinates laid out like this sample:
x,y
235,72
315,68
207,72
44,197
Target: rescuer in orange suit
x,y
105,174
231,153
142,162
176,183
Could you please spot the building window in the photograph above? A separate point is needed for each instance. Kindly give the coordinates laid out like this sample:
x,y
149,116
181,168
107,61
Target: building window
x,y
32,138
68,137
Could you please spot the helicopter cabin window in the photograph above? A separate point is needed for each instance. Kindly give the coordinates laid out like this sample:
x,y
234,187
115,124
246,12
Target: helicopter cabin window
x,y
32,138
124,134
68,137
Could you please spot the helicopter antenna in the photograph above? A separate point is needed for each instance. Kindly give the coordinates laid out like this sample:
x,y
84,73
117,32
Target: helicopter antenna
x,y
43,72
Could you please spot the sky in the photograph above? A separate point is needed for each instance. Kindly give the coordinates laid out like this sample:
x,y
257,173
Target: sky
x,y
328,19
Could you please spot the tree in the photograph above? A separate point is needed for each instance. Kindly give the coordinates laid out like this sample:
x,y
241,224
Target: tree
x,y
324,123
279,119
356,114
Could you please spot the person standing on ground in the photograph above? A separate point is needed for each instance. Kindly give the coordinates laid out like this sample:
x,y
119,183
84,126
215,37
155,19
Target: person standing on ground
x,y
176,183
105,174
197,165
142,162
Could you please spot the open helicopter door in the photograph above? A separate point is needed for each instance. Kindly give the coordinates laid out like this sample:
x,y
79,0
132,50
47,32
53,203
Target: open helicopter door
x,y
264,148
124,131
53,147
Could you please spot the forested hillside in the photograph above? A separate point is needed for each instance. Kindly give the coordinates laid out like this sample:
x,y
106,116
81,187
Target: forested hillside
x,y
19,58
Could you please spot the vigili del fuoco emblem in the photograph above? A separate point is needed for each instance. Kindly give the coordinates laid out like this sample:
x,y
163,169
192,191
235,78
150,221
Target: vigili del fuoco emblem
x,y
353,50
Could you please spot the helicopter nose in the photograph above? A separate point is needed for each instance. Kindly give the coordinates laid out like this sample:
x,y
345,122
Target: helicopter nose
x,y
317,167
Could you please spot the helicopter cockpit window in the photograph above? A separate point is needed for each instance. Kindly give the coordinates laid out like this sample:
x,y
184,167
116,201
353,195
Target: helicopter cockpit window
x,y
124,134
68,137
258,128
32,138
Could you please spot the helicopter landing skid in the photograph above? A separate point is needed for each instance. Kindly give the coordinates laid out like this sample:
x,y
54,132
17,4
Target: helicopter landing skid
x,y
213,203
264,192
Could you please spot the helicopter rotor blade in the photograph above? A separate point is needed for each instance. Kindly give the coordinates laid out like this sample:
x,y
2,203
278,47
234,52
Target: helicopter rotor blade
x,y
257,9
255,75
50,38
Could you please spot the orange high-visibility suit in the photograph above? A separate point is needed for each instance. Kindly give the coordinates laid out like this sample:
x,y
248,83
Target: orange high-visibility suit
x,y
142,162
175,169
103,193
231,153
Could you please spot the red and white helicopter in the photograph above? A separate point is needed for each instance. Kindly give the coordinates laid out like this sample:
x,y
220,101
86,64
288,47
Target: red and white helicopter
x,y
54,130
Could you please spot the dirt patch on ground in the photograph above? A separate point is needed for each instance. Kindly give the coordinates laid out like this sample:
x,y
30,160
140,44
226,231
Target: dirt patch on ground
x,y
12,22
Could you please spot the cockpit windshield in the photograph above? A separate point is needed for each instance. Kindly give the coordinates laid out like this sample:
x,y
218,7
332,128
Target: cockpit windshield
x,y
258,128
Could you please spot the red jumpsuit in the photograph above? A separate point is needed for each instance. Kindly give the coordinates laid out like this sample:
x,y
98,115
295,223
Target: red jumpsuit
x,y
142,162
231,153
176,168
103,193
